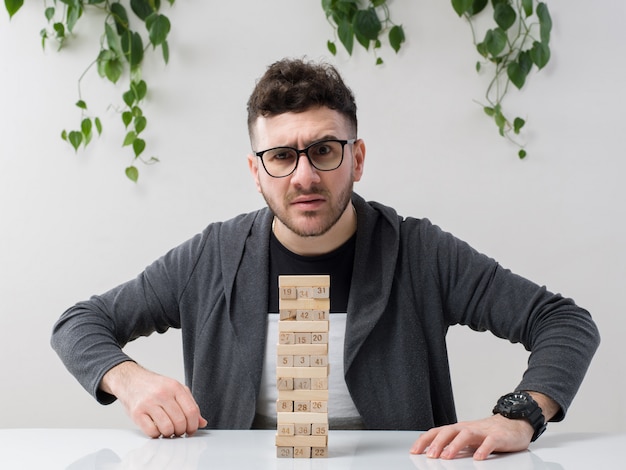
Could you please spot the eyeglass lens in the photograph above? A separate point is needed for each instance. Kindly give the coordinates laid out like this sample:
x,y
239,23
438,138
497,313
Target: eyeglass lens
x,y
325,156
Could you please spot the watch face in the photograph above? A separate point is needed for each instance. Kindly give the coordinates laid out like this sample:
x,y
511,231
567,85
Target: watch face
x,y
514,400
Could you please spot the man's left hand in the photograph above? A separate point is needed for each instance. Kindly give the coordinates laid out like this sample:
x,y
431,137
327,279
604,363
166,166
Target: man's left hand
x,y
486,436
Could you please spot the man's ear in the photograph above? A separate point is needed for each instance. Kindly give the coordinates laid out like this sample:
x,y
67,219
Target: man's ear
x,y
358,158
253,166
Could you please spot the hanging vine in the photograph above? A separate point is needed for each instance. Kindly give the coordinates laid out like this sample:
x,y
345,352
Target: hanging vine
x,y
517,42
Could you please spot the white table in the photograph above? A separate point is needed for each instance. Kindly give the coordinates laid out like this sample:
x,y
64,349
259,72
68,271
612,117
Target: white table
x,y
112,449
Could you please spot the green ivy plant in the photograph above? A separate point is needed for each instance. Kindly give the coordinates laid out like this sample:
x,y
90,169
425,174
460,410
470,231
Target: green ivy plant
x,y
122,49
517,42
366,24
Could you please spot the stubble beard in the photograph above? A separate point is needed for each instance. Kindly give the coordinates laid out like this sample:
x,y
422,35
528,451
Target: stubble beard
x,y
324,225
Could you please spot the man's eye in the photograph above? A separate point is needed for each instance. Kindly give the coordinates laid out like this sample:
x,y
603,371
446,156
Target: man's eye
x,y
281,155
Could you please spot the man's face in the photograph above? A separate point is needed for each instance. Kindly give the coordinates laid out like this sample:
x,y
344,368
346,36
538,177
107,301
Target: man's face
x,y
308,202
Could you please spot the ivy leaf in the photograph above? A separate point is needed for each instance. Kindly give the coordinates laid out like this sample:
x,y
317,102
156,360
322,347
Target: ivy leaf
x,y
113,69
120,17
144,8
13,6
132,173
165,48
98,125
136,50
462,6
113,40
139,89
540,54
49,13
332,48
158,28
545,22
521,154
129,98
504,15
85,127
477,7
527,6
140,124
346,35
396,37
516,74
75,138
81,104
367,24
129,139
518,123
138,146
495,41
127,118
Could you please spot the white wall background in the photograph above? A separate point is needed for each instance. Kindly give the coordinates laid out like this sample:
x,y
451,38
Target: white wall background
x,y
72,225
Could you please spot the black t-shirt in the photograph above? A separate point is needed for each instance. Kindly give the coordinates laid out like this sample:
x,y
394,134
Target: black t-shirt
x,y
337,264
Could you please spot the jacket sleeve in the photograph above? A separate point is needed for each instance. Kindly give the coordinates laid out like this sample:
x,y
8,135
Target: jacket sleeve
x,y
561,337
89,336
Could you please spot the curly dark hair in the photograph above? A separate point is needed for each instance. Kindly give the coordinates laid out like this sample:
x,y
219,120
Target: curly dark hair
x,y
296,85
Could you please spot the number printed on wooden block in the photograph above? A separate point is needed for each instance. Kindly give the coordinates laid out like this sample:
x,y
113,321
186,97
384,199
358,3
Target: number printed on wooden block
x,y
302,367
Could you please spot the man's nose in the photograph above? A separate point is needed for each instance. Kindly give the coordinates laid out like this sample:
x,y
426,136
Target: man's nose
x,y
305,173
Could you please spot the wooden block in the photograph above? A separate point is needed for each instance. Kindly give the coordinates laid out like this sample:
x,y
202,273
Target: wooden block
x,y
286,405
284,452
286,338
319,383
320,292
302,429
297,281
288,292
302,372
302,338
320,315
299,361
317,406
287,327
303,395
316,361
301,441
319,452
301,452
305,315
301,384
319,429
298,418
287,361
302,406
285,383
302,349
286,315
288,429
304,304
319,338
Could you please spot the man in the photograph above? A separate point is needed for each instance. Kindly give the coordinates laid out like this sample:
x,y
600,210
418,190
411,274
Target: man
x,y
402,282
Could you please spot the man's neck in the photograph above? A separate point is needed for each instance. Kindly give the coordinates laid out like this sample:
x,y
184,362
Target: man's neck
x,y
312,246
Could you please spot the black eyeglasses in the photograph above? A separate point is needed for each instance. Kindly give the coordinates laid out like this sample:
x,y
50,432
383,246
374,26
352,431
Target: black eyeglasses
x,y
326,155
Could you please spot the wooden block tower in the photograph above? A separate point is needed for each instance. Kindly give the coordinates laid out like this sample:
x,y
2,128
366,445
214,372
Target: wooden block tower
x,y
302,367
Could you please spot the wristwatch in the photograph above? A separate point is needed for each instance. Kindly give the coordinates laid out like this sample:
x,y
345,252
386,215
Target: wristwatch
x,y
520,405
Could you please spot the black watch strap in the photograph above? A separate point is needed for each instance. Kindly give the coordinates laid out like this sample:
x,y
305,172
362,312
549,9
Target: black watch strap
x,y
521,405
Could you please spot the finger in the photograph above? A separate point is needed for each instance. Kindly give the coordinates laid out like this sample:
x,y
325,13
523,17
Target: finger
x,y
176,417
162,421
444,436
422,442
191,411
147,426
487,447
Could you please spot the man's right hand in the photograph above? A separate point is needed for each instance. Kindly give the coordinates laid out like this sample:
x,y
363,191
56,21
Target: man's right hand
x,y
160,406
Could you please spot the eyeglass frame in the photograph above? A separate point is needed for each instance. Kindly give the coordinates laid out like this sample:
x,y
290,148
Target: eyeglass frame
x,y
305,151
